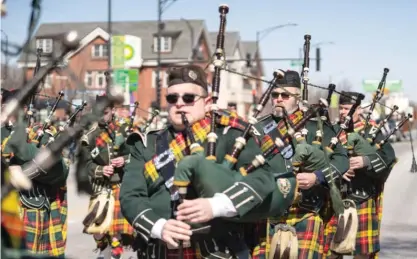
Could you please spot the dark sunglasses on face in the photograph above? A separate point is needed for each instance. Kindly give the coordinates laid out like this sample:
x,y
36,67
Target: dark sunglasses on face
x,y
284,96
186,98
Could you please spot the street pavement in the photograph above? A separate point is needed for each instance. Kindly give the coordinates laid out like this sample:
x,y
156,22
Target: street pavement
x,y
399,222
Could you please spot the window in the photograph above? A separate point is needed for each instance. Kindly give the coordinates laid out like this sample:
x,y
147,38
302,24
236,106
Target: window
x,y
48,81
95,79
247,84
166,44
163,77
45,45
99,51
88,80
100,79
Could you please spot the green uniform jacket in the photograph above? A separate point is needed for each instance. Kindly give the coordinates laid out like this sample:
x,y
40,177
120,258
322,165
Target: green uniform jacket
x,y
339,161
143,202
24,153
94,158
368,181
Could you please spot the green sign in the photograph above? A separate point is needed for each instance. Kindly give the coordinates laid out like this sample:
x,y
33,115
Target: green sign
x,y
127,76
297,62
370,86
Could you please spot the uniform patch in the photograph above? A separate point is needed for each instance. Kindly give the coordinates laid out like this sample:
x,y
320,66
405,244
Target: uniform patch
x,y
284,186
95,152
269,127
287,152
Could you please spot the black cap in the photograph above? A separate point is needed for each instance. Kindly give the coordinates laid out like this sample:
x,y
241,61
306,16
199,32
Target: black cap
x,y
348,97
291,79
101,99
187,74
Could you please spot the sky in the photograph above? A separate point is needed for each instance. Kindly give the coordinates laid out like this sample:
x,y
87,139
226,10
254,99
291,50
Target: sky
x,y
367,35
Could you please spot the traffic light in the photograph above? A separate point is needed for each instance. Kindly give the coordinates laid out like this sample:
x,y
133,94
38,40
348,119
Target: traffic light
x,y
248,60
318,59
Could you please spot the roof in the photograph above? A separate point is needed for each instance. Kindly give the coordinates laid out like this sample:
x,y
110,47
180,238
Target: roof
x,y
184,29
231,40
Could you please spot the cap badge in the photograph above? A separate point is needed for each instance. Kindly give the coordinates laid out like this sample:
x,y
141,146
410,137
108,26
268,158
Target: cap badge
x,y
192,75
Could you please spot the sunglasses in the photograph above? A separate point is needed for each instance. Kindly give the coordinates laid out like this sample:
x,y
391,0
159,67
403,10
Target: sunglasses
x,y
186,98
284,96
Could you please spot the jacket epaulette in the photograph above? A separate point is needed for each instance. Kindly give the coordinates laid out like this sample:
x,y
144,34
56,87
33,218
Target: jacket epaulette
x,y
85,137
143,135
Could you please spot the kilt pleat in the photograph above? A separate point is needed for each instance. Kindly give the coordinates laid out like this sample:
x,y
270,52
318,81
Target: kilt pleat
x,y
44,230
198,250
119,225
310,234
367,238
62,200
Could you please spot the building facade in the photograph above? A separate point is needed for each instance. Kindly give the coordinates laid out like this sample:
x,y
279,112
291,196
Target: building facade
x,y
182,42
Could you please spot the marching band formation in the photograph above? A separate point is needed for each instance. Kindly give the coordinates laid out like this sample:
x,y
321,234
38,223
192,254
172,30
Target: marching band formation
x,y
211,184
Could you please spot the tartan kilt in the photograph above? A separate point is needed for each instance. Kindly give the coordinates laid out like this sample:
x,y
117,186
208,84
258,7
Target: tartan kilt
x,y
198,250
162,252
119,223
120,227
310,234
367,238
62,200
44,230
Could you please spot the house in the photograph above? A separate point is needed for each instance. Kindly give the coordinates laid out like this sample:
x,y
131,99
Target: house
x,y
182,41
233,91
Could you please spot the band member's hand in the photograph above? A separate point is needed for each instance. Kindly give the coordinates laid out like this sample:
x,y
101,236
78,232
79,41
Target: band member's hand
x,y
195,211
118,162
174,230
306,180
356,162
108,170
349,174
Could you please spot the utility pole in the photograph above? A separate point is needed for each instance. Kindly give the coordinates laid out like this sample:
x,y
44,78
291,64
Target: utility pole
x,y
162,6
158,49
109,31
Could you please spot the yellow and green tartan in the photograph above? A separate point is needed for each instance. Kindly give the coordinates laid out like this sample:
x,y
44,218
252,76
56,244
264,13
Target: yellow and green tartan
x,y
44,230
367,238
310,234
12,226
119,228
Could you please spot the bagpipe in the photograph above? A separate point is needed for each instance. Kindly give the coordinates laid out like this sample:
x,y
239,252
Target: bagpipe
x,y
206,175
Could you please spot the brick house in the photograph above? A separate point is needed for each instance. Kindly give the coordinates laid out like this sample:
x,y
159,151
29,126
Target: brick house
x,y
182,41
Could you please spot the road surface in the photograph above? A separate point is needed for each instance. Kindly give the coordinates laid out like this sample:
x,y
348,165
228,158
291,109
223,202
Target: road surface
x,y
399,222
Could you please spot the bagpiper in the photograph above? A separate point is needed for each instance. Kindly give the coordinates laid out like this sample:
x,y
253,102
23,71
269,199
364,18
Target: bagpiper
x,y
104,154
41,209
369,168
300,232
148,197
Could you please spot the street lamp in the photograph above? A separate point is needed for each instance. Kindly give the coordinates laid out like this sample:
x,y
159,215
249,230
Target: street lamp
x,y
267,31
162,6
6,56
